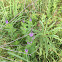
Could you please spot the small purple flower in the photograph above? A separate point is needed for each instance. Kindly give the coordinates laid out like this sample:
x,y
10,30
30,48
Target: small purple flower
x,y
23,21
6,21
26,50
30,19
31,41
31,34
28,43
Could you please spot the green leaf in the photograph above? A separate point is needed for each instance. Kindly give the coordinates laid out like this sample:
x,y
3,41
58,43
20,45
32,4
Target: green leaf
x,y
55,30
56,37
51,25
18,56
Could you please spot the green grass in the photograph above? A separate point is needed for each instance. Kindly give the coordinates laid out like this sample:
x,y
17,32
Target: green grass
x,y
46,25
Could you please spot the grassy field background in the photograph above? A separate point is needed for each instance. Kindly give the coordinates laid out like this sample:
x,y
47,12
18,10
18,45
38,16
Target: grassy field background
x,y
30,30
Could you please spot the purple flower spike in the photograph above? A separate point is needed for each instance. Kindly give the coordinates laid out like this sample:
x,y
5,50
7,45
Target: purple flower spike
x,y
31,34
23,21
28,43
26,50
6,21
30,19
